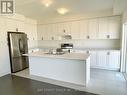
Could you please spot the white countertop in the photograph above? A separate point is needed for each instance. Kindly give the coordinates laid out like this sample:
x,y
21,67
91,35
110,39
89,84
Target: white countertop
x,y
74,56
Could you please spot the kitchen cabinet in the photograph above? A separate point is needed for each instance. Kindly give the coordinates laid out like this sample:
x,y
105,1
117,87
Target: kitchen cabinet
x,y
113,60
92,29
114,24
15,25
102,60
108,60
109,28
75,31
31,31
83,29
93,59
55,32
103,28
99,28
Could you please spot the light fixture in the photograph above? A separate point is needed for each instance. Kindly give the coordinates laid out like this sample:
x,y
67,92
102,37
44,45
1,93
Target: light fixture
x,y
62,11
47,3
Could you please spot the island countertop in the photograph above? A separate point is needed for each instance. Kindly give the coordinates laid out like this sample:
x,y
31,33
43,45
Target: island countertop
x,y
73,56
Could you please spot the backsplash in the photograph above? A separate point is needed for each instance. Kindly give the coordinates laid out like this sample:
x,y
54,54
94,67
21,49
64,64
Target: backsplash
x,y
106,44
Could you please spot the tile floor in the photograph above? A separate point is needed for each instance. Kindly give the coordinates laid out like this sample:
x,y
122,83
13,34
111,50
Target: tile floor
x,y
102,82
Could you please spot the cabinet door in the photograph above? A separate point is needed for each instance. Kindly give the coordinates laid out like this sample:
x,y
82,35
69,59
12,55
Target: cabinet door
x,y
93,29
11,25
75,31
49,32
15,25
60,28
41,32
67,28
83,29
93,59
114,60
102,59
31,31
55,32
103,28
114,27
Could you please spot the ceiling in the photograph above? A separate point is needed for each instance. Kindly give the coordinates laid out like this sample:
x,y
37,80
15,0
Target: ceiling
x,y
35,9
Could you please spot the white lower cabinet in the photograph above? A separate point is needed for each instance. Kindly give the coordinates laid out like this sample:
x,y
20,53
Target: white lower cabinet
x,y
104,59
109,60
113,60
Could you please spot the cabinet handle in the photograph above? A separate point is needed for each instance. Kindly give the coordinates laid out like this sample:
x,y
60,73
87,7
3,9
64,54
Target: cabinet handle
x,y
64,31
88,37
87,52
17,29
42,38
52,38
108,36
108,53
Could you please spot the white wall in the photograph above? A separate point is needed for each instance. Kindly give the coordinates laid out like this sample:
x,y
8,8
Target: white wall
x,y
10,23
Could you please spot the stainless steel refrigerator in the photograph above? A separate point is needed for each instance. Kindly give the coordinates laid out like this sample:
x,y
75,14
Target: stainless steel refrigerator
x,y
17,46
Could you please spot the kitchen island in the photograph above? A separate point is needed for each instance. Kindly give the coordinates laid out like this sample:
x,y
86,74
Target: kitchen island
x,y
69,67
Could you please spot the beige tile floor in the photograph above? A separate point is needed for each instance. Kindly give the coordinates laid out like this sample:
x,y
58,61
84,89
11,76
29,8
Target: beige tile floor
x,y
102,82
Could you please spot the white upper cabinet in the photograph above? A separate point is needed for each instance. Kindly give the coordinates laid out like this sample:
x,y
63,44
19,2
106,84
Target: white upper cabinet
x,y
75,31
55,33
103,28
15,25
114,27
99,28
31,31
67,28
83,26
92,29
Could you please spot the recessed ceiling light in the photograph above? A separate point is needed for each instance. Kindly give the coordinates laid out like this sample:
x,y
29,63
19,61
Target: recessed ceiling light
x,y
62,11
47,3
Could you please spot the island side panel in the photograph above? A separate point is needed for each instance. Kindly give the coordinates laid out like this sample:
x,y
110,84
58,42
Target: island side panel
x,y
87,70
73,71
